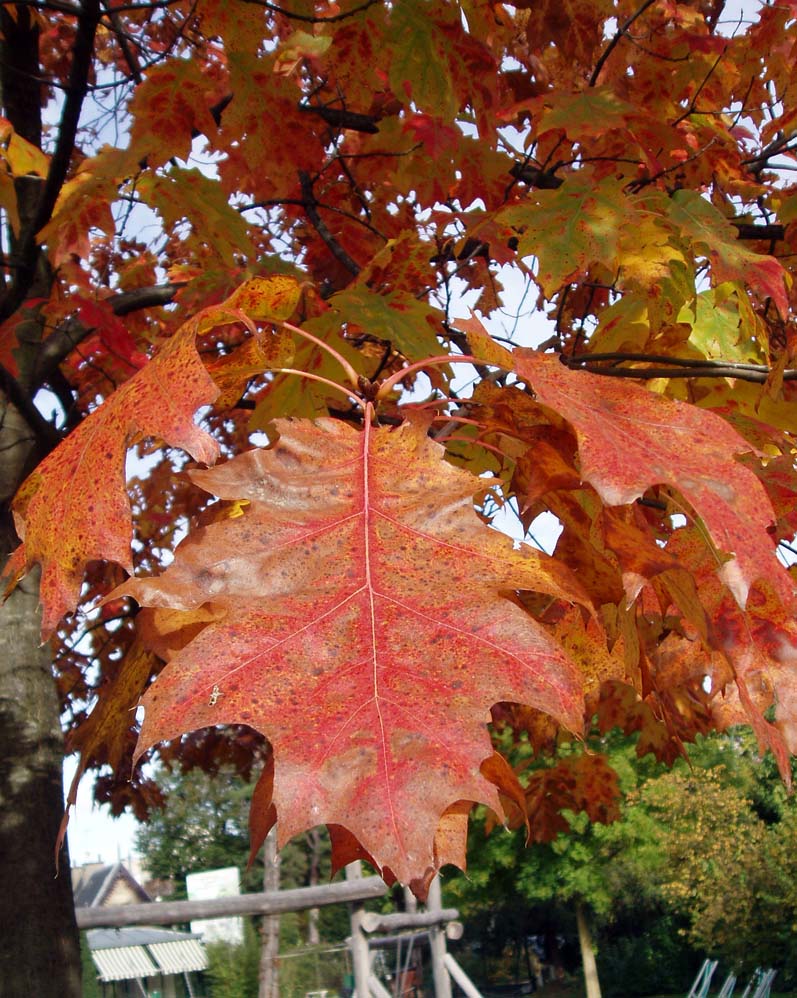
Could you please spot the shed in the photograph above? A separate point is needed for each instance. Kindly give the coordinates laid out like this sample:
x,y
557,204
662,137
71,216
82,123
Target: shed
x,y
143,961
139,962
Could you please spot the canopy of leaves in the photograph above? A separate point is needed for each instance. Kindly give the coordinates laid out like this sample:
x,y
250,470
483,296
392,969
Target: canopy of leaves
x,y
304,198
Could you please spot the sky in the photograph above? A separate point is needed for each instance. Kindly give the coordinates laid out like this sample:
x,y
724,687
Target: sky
x,y
93,833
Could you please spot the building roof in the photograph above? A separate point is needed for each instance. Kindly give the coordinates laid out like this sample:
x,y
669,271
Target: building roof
x,y
124,954
135,935
93,883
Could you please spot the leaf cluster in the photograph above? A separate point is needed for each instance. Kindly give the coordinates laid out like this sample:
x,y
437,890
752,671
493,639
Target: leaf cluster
x,y
229,248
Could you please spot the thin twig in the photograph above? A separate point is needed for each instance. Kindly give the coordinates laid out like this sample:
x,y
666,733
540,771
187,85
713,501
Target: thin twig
x,y
616,40
310,18
311,208
351,374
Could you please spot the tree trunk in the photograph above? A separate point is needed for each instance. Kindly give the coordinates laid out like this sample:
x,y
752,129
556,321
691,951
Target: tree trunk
x,y
270,945
39,941
587,954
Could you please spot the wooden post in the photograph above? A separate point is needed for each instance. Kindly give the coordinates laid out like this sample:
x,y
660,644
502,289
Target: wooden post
x,y
462,979
588,954
358,942
268,978
437,943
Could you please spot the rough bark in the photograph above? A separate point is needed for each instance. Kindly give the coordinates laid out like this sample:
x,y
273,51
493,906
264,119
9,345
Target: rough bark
x,y
591,981
270,946
39,942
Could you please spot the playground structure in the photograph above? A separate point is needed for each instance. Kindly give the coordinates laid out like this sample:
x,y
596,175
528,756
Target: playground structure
x,y
435,925
759,985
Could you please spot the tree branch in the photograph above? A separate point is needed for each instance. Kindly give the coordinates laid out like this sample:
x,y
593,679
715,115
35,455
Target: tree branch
x,y
68,335
535,177
311,207
749,230
82,52
782,144
310,18
47,435
671,367
616,41
339,117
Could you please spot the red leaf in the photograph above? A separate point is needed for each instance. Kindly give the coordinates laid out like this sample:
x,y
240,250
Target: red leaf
x,y
74,508
630,439
367,634
112,333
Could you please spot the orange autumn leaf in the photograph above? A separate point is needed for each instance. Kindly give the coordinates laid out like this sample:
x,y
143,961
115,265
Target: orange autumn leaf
x,y
74,507
86,515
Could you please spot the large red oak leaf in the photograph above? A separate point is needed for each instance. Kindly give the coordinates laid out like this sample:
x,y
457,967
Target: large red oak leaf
x,y
630,439
369,628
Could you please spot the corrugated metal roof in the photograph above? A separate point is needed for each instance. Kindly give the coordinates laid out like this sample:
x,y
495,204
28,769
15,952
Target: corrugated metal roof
x,y
148,952
124,963
178,957
136,935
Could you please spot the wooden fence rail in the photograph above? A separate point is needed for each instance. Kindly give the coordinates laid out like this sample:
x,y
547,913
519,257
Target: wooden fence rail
x,y
270,903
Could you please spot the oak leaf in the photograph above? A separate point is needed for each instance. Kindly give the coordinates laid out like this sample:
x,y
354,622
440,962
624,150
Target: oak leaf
x,y
74,508
629,439
712,234
104,736
369,628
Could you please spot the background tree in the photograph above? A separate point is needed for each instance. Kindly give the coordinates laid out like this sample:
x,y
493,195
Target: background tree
x,y
202,825
697,864
578,872
202,199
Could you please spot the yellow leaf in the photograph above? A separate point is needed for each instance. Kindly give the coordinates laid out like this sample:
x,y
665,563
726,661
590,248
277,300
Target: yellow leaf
x,y
21,156
268,299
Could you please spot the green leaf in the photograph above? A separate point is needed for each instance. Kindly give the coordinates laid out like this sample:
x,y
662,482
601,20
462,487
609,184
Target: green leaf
x,y
417,70
584,114
715,237
570,229
191,196
717,330
395,317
